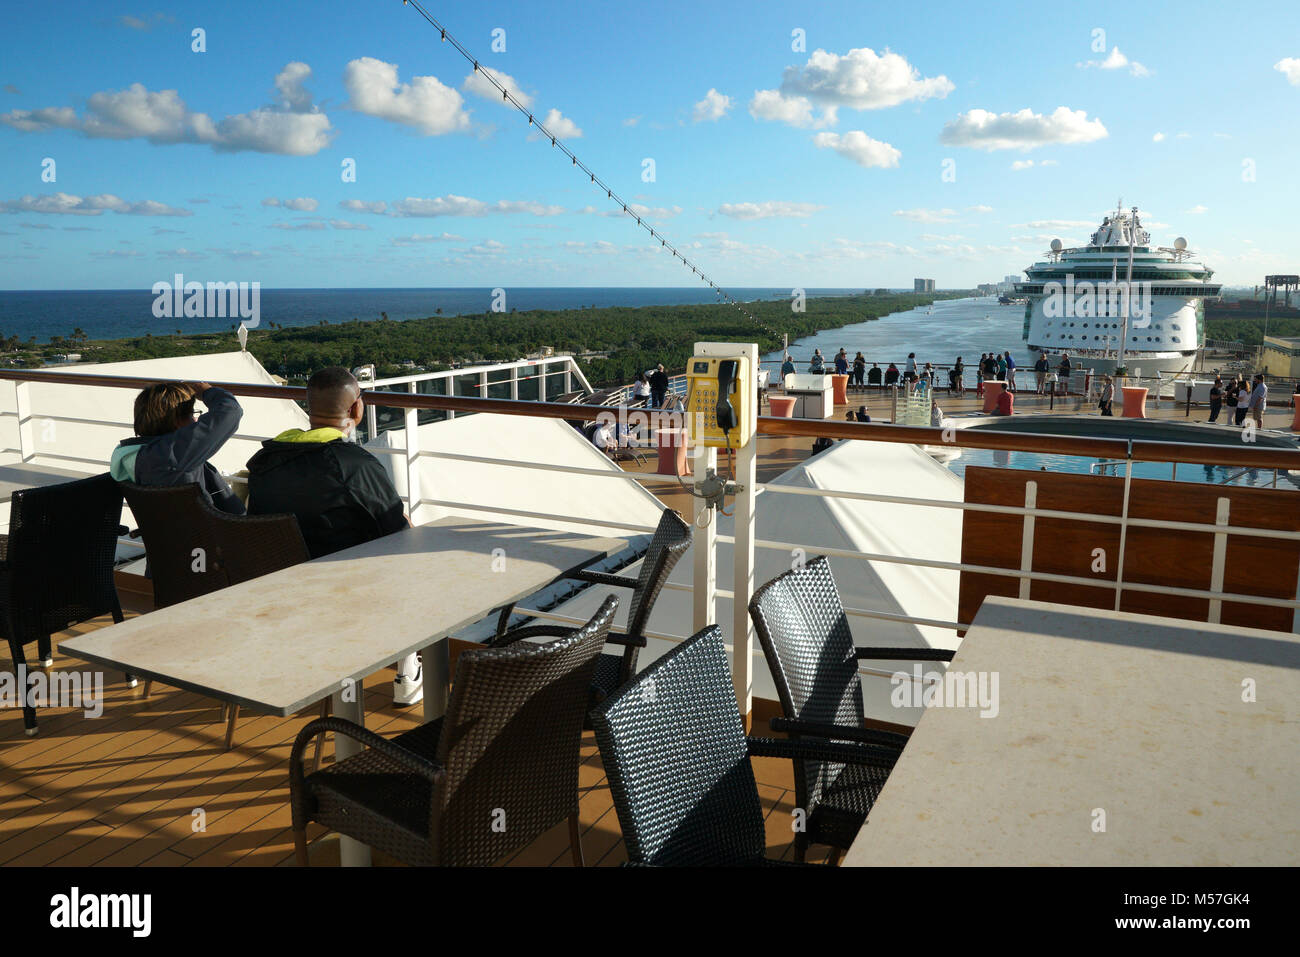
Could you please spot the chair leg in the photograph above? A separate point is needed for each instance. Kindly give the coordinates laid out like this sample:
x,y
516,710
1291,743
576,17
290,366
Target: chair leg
x,y
20,666
320,740
575,840
43,651
232,716
148,687
300,847
835,857
800,847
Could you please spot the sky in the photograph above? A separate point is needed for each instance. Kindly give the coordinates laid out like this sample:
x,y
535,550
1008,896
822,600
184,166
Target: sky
x,y
837,144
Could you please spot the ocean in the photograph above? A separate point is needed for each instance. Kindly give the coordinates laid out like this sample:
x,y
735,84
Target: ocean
x,y
122,313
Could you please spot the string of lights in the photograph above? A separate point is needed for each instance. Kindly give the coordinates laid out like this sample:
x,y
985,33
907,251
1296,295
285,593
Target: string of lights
x,y
596,181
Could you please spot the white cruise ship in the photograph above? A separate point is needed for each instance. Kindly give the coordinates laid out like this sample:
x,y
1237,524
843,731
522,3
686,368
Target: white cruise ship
x,y
1076,303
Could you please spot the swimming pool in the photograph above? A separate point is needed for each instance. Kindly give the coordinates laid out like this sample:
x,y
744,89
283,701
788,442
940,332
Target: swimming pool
x,y
1150,429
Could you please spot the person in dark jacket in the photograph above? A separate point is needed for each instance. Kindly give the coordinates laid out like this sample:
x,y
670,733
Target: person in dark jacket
x,y
340,493
171,447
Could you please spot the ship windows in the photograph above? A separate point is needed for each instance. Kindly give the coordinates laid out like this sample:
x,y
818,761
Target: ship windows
x,y
1176,339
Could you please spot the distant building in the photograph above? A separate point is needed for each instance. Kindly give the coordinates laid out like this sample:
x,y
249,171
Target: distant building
x,y
1281,356
923,285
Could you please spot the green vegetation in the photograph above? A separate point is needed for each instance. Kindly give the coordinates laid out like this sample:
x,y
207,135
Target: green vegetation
x,y
617,342
1245,322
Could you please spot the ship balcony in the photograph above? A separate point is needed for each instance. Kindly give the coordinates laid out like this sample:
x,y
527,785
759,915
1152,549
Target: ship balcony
x,y
1105,574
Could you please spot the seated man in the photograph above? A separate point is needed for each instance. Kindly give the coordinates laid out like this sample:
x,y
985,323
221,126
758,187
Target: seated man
x,y
171,447
340,493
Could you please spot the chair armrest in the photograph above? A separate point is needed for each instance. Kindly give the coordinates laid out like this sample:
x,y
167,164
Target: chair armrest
x,y
905,654
839,732
809,749
532,631
629,641
604,578
363,736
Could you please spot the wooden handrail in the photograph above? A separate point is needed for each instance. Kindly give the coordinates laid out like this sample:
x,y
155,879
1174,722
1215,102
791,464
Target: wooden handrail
x,y
1141,450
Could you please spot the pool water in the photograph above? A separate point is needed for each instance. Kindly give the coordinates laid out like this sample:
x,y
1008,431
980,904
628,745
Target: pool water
x,y
1204,474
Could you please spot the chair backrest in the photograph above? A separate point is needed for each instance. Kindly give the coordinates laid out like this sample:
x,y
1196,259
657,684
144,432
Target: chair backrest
x,y
61,549
510,743
195,548
674,750
182,546
671,539
809,648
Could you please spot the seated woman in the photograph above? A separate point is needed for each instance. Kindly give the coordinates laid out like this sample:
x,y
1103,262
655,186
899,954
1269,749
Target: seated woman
x,y
891,375
873,376
171,447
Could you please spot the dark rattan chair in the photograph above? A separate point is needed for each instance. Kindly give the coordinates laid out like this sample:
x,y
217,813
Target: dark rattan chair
x,y
671,539
176,522
56,565
678,761
469,788
809,649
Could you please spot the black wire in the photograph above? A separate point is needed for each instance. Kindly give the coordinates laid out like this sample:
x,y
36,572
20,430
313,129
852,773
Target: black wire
x,y
596,180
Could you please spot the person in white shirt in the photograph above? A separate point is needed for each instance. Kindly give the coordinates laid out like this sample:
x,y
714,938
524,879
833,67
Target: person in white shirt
x,y
1243,400
641,389
1258,401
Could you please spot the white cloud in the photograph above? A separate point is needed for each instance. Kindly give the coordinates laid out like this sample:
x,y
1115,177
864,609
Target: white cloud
x,y
791,110
68,204
859,147
1058,224
479,85
425,103
294,127
421,238
1289,67
1117,61
344,224
979,209
1023,130
768,209
559,126
1022,164
304,204
361,206
1158,138
927,215
638,209
861,80
1197,210
313,225
632,120
713,107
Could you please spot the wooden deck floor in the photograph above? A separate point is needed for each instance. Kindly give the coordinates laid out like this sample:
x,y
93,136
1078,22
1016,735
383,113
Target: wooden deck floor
x,y
150,783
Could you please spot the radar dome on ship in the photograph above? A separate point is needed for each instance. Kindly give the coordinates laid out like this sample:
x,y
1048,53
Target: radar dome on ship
x,y
1180,244
1056,245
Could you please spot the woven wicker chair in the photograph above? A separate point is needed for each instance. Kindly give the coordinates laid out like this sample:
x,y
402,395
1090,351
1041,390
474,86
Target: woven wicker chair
x,y
671,539
809,649
499,769
175,520
677,759
56,565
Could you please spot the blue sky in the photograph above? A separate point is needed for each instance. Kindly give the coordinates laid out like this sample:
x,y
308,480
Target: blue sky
x,y
903,140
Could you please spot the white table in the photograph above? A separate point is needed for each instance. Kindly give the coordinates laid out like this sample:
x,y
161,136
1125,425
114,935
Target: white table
x,y
20,475
284,641
1139,717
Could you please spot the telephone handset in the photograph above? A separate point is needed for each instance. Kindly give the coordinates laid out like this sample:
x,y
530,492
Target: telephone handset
x,y
728,370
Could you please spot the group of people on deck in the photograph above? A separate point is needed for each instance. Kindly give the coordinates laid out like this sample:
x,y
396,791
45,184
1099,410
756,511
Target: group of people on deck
x,y
1243,396
340,493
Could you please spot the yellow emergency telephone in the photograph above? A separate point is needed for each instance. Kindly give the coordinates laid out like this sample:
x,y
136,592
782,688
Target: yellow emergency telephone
x,y
720,396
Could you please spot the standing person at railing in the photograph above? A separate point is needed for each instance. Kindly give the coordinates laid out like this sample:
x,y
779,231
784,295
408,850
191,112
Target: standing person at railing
x,y
339,492
787,367
818,364
641,389
1230,398
1243,399
1040,372
841,363
1107,395
658,379
859,370
1258,400
1011,371
1216,398
955,383
172,447
909,371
